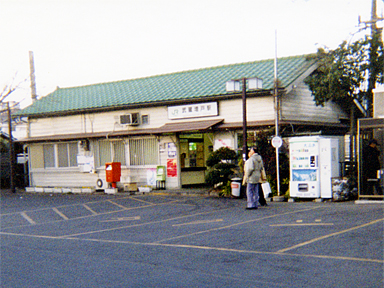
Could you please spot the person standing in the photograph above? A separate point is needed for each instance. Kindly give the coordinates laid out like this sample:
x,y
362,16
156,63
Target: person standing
x,y
371,163
252,174
262,200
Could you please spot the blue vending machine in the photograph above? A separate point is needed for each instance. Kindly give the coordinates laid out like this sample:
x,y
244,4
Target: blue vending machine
x,y
314,161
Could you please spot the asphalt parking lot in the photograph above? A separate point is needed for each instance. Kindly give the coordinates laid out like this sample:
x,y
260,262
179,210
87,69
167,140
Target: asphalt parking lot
x,y
154,240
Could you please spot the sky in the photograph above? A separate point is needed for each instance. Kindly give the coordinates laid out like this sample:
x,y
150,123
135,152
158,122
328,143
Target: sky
x,y
81,42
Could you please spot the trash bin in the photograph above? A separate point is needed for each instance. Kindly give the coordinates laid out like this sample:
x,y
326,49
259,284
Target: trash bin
x,y
236,186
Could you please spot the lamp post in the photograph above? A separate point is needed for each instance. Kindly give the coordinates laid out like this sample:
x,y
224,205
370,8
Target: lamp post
x,y
234,86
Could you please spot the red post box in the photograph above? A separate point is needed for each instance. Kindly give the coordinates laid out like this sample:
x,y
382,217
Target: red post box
x,y
113,172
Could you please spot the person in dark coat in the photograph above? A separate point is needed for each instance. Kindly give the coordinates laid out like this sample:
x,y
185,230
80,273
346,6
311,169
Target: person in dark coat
x,y
371,163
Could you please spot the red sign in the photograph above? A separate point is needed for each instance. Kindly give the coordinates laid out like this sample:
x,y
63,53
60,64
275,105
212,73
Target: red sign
x,y
171,168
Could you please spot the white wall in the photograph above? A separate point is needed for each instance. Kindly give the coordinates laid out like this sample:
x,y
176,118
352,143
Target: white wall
x,y
298,105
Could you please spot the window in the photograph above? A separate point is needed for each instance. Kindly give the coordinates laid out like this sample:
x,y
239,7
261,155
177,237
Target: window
x,y
62,150
145,119
118,152
49,155
105,152
143,152
60,155
112,151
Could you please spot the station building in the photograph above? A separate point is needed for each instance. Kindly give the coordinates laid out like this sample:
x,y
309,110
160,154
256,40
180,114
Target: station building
x,y
173,120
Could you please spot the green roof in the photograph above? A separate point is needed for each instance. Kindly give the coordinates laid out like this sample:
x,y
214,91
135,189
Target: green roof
x,y
186,85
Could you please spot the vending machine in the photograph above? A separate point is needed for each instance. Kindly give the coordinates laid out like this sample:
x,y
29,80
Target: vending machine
x,y
314,161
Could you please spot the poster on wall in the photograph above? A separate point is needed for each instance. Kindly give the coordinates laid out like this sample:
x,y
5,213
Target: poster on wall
x,y
222,143
151,176
171,150
171,168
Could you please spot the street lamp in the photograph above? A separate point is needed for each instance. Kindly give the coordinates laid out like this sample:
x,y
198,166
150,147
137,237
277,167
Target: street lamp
x,y
234,86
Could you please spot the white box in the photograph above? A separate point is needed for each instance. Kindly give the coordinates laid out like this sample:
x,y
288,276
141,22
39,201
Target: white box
x,y
87,190
145,189
130,187
76,190
110,191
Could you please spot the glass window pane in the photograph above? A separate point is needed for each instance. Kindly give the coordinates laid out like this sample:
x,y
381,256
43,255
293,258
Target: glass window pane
x,y
49,155
62,149
104,152
151,152
119,152
135,152
143,152
72,154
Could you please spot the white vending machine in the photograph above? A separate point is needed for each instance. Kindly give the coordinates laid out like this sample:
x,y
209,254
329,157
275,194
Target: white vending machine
x,y
314,161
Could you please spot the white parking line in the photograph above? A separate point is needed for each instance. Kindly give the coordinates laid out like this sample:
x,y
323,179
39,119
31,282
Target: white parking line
x,y
60,213
122,219
199,222
89,209
327,236
26,217
301,224
118,205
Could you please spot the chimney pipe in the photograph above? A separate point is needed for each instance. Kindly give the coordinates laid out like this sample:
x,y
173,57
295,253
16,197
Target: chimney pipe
x,y
32,76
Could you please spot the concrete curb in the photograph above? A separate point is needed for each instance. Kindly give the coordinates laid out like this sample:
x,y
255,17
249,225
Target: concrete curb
x,y
360,202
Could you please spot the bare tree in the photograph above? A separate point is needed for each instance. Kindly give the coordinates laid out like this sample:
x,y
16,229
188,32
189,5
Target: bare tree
x,y
10,88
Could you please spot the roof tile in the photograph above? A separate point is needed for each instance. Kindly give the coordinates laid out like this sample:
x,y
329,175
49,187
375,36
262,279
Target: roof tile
x,y
181,85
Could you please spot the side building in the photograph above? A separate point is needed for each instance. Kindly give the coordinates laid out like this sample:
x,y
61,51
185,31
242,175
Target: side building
x,y
173,120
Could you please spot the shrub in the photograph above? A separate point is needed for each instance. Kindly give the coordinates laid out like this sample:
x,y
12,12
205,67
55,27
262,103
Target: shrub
x,y
221,164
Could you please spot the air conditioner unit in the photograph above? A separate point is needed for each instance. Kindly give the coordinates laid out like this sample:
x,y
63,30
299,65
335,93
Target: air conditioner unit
x,y
132,119
101,184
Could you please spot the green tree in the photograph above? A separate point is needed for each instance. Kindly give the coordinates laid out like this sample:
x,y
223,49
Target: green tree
x,y
343,73
221,164
266,150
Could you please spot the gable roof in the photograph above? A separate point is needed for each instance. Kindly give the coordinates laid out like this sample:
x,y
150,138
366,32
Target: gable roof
x,y
186,85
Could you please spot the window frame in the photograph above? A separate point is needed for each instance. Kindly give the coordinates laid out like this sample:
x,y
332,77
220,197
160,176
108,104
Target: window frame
x,y
56,156
141,144
112,151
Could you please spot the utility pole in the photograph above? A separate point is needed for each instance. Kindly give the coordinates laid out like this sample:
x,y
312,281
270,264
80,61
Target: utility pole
x,y
276,92
374,67
245,133
11,151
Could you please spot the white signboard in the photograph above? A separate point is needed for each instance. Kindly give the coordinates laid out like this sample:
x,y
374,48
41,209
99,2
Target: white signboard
x,y
172,150
86,163
222,143
277,142
193,110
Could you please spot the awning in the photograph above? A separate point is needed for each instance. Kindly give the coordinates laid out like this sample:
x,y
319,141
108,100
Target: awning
x,y
189,126
366,123
192,126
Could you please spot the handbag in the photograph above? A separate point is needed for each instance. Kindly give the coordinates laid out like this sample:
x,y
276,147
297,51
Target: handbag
x,y
263,176
266,189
